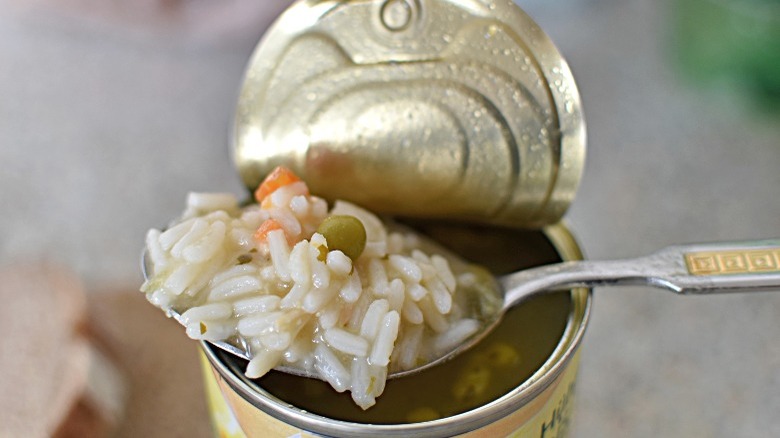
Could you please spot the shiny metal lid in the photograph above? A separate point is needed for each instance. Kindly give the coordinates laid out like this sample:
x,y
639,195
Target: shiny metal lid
x,y
457,109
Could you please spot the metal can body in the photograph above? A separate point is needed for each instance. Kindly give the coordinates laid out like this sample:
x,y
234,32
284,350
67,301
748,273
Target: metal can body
x,y
539,406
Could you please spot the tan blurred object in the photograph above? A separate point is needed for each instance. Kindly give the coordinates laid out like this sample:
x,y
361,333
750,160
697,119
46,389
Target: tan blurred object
x,y
55,382
166,397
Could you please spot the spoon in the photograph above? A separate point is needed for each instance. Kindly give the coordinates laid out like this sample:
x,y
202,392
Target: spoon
x,y
699,269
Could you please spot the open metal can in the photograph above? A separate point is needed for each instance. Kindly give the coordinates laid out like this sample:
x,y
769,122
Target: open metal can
x,y
534,397
467,110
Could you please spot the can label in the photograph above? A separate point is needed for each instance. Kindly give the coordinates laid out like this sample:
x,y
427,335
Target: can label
x,y
548,415
222,418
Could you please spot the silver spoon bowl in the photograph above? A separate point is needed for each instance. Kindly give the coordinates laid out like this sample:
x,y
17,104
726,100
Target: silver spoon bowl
x,y
699,269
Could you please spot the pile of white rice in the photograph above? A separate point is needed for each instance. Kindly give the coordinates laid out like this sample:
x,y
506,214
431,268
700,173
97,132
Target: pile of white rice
x,y
350,322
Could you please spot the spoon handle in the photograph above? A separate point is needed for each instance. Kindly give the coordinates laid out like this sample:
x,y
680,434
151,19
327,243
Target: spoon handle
x,y
684,269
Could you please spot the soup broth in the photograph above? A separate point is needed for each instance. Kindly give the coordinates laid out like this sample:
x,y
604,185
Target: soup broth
x,y
518,347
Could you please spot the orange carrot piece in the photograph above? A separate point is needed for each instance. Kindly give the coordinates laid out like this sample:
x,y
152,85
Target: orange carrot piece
x,y
279,177
266,227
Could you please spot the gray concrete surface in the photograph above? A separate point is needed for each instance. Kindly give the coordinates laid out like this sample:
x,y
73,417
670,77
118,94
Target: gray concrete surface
x,y
108,118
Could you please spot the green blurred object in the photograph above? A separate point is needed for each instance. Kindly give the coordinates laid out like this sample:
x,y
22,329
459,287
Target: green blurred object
x,y
731,43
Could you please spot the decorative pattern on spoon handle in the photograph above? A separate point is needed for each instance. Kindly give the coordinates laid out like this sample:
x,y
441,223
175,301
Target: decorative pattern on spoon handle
x,y
743,261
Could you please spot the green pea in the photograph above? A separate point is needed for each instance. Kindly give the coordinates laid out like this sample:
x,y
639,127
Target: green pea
x,y
344,233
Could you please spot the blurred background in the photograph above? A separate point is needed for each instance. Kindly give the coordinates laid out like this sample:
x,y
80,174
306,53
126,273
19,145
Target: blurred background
x,y
110,112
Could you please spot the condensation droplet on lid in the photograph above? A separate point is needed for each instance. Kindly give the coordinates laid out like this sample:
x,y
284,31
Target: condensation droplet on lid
x,y
491,31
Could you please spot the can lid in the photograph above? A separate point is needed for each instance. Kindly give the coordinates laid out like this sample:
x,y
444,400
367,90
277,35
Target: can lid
x,y
427,108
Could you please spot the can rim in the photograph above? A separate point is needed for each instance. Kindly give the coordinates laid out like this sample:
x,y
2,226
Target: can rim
x,y
565,244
